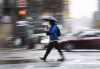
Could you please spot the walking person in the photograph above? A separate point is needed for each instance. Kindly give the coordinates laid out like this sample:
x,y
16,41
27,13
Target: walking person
x,y
52,33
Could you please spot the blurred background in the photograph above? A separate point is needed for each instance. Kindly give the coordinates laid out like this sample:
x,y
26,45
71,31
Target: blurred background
x,y
20,24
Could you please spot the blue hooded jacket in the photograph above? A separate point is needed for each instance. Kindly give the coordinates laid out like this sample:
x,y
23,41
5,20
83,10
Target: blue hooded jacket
x,y
53,32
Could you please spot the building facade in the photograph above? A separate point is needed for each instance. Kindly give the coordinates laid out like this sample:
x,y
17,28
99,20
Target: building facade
x,y
35,8
7,18
57,8
96,17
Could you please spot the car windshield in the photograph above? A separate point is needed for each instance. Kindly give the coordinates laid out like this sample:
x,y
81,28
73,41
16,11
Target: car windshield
x,y
77,34
82,33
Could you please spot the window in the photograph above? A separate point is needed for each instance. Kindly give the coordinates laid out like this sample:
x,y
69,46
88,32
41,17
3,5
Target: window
x,y
98,34
90,35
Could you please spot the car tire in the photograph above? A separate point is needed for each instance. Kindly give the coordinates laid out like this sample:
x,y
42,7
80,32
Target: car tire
x,y
69,47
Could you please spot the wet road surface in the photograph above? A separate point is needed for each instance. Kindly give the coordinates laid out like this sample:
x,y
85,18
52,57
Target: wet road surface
x,y
29,59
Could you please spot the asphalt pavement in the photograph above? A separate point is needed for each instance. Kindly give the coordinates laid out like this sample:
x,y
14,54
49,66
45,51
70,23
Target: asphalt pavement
x,y
29,59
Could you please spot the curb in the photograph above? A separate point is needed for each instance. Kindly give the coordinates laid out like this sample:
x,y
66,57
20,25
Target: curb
x,y
18,61
18,49
2,49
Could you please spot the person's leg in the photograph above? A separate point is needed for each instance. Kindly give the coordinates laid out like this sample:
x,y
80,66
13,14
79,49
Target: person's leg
x,y
56,45
49,48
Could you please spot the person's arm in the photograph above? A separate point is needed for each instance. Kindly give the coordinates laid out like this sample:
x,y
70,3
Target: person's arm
x,y
47,33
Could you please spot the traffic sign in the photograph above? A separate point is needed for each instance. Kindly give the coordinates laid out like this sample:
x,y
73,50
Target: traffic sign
x,y
21,3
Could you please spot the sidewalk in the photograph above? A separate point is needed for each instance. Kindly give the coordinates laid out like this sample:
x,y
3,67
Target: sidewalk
x,y
24,56
4,48
19,55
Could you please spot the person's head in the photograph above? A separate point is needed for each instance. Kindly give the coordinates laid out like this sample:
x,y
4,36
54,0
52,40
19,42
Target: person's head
x,y
51,22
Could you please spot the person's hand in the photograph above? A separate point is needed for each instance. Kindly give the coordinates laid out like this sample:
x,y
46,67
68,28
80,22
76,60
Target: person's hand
x,y
47,33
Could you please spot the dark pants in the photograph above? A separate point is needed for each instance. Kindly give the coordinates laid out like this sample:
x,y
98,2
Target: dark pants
x,y
49,48
23,38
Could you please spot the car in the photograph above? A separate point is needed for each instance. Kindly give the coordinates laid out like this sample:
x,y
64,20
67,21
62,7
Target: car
x,y
45,39
89,39
84,39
